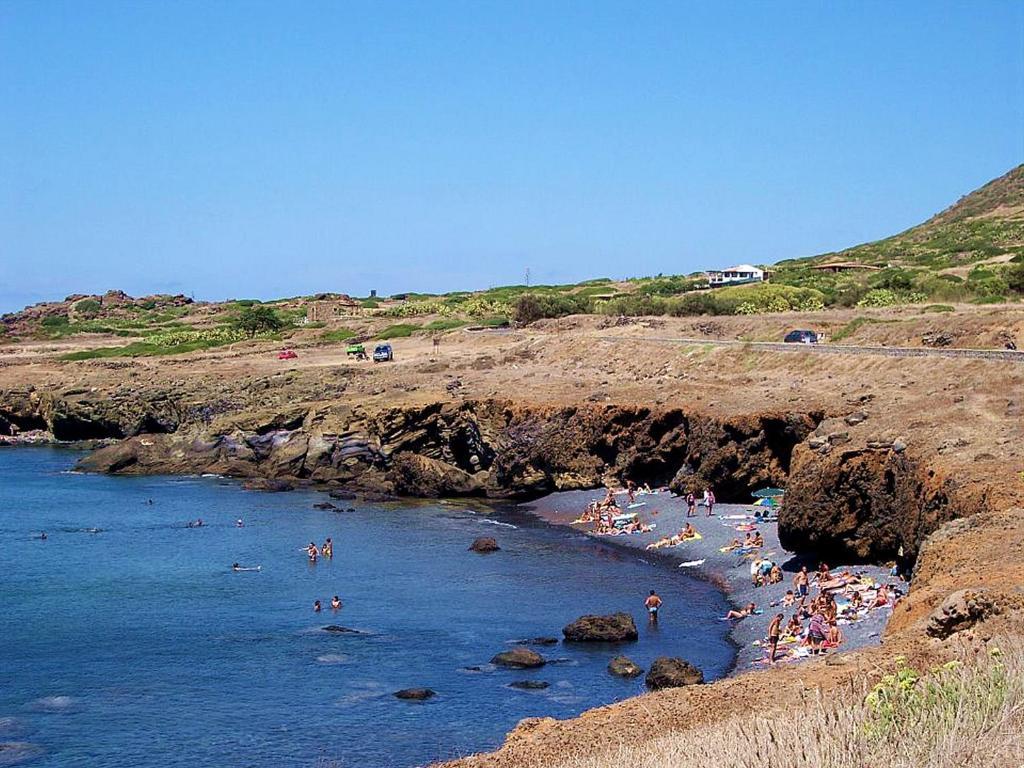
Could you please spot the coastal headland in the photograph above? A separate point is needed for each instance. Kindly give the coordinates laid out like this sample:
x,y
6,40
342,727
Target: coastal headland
x,y
921,455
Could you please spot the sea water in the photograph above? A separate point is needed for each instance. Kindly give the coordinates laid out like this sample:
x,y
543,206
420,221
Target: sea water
x,y
127,640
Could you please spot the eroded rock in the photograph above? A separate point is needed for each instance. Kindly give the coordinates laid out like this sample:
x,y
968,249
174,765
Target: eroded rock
x,y
415,694
616,628
484,544
623,666
671,672
518,658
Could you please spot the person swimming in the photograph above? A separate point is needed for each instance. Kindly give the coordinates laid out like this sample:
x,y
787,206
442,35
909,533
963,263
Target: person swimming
x,y
312,552
327,550
239,523
335,603
316,606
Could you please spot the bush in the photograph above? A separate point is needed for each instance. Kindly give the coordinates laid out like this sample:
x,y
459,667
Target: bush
x,y
399,331
883,297
1015,278
939,308
530,307
633,306
765,297
701,303
444,324
88,307
338,334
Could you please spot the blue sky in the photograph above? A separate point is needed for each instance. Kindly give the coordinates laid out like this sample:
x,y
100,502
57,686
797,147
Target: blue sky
x,y
266,149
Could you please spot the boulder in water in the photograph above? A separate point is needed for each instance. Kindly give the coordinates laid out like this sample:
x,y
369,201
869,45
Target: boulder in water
x,y
529,685
342,495
415,694
519,658
324,505
269,484
617,628
670,672
537,641
484,545
340,630
623,666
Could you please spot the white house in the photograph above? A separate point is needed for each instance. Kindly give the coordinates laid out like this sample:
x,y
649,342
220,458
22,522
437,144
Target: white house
x,y
744,273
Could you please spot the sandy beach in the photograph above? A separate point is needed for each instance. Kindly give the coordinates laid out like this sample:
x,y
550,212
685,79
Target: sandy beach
x,y
729,570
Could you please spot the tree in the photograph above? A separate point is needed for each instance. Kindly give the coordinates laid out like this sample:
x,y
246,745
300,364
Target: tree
x,y
257,318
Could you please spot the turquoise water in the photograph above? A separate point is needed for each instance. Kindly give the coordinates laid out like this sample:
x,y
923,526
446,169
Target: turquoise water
x,y
138,646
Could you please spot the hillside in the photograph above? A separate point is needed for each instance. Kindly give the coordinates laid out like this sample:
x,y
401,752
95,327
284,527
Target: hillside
x,y
986,225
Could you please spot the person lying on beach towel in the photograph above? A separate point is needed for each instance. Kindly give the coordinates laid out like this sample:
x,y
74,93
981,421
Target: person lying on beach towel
x,y
735,545
748,610
688,533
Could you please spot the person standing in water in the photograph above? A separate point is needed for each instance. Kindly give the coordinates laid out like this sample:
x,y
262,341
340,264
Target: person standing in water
x,y
652,603
327,550
313,552
335,603
316,606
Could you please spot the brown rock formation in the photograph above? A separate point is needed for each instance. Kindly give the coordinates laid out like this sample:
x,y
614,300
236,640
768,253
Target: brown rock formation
x,y
670,672
617,628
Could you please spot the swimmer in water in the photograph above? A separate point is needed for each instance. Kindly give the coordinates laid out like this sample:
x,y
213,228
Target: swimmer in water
x,y
316,606
42,536
335,603
239,523
313,552
327,550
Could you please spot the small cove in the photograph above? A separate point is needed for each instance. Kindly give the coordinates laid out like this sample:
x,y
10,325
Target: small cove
x,y
138,646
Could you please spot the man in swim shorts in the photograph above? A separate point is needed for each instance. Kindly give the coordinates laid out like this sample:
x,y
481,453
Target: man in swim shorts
x,y
802,582
774,633
652,603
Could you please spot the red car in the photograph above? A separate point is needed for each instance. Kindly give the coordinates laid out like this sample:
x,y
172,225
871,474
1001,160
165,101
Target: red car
x,y
286,354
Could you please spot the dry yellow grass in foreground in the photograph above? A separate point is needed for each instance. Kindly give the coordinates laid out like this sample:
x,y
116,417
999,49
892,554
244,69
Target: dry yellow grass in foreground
x,y
962,714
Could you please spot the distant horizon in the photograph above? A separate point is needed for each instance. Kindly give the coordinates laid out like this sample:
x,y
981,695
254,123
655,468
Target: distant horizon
x,y
255,151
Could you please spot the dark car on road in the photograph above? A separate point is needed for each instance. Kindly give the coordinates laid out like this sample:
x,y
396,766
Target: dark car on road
x,y
801,337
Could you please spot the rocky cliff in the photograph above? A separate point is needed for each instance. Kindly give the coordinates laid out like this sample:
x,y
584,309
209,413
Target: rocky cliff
x,y
857,499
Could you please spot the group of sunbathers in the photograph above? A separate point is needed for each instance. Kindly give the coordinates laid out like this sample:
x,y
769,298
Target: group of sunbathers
x,y
841,599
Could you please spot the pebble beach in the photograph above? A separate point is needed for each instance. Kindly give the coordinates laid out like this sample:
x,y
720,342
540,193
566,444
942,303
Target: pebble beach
x,y
729,570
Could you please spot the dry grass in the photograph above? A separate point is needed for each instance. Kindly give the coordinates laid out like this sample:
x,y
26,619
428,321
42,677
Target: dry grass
x,y
969,714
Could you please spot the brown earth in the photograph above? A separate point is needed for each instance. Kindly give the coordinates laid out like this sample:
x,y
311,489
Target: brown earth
x,y
877,453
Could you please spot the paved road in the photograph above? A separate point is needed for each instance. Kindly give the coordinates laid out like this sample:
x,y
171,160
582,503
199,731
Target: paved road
x,y
1004,355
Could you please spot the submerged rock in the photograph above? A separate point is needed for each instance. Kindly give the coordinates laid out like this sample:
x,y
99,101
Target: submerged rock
x,y
529,685
536,641
338,629
415,694
324,505
623,666
484,544
519,658
617,628
670,672
269,484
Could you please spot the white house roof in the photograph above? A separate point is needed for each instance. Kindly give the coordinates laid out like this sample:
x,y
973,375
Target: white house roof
x,y
739,268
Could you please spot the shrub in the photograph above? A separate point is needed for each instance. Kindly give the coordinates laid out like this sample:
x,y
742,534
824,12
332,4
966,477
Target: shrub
x,y
765,297
444,324
369,304
338,334
88,307
701,303
883,297
530,307
399,331
939,308
633,306
1015,278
